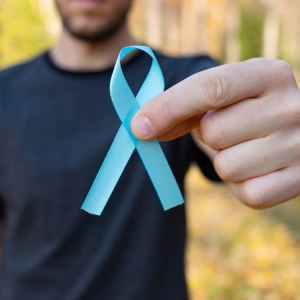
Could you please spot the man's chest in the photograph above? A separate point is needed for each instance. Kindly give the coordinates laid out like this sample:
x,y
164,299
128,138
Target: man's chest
x,y
57,128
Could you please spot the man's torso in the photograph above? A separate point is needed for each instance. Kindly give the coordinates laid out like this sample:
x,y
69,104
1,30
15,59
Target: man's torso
x,y
55,130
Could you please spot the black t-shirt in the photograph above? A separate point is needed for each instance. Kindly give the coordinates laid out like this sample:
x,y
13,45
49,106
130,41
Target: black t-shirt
x,y
56,127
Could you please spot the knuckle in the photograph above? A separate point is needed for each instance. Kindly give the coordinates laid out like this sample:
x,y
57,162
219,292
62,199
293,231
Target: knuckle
x,y
281,72
215,88
286,112
212,132
290,112
291,150
248,195
225,167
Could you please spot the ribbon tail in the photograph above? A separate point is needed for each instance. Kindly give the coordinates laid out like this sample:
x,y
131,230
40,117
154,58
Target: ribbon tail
x,y
160,173
109,173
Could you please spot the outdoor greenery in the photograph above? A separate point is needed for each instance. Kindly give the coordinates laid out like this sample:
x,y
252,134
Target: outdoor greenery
x,y
252,19
22,31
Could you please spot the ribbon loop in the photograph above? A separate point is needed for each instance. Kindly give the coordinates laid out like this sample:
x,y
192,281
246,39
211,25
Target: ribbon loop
x,y
126,105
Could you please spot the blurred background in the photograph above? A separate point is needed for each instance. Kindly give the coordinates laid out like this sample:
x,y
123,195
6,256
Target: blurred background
x,y
232,251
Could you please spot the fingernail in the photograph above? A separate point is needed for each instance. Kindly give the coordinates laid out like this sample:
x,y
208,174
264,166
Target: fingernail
x,y
142,126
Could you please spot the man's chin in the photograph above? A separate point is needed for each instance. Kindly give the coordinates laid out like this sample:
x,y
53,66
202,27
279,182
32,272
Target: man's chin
x,y
89,37
92,35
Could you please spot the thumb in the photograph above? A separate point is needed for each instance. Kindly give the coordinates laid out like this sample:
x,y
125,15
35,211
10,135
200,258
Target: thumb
x,y
208,90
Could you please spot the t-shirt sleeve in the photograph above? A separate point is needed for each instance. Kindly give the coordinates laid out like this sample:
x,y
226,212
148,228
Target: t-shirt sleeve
x,y
192,65
202,160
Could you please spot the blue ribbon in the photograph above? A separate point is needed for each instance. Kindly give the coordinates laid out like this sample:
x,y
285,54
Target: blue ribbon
x,y
125,142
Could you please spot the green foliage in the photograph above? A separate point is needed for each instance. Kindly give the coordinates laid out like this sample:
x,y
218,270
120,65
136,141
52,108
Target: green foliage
x,y
22,32
251,31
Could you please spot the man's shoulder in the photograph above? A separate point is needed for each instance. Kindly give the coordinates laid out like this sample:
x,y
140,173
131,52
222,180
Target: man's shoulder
x,y
14,72
200,59
183,67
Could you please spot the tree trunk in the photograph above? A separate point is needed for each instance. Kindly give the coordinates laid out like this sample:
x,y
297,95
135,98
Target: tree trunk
x,y
200,8
154,23
271,31
233,32
171,27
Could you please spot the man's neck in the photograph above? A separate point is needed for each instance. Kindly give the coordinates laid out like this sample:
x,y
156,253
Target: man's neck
x,y
72,54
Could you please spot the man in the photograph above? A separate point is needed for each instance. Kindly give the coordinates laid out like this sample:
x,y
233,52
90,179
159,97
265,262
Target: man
x,y
57,123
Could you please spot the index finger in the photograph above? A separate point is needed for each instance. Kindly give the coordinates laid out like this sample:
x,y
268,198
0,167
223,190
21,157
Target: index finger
x,y
207,90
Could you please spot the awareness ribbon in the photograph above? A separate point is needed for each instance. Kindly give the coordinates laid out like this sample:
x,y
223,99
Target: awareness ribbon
x,y
125,142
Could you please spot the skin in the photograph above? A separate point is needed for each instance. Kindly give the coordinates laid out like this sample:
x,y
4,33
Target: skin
x,y
91,19
249,112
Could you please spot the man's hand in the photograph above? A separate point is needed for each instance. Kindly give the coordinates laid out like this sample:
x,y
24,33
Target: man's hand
x,y
250,113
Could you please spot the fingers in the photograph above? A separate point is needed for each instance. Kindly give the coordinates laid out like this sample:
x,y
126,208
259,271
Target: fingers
x,y
182,128
204,91
268,190
259,157
249,119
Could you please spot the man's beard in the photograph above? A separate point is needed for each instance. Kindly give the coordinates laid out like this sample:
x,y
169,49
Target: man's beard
x,y
97,35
